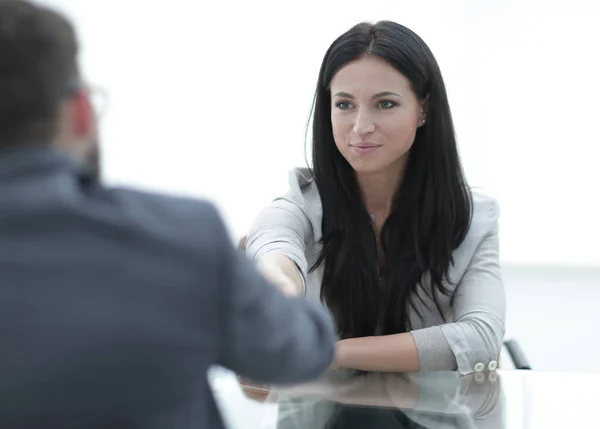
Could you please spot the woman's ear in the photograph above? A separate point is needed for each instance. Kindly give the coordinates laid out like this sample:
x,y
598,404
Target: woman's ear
x,y
423,111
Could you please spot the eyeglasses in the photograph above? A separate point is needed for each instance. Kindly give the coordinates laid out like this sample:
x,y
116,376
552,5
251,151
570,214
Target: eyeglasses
x,y
99,99
98,96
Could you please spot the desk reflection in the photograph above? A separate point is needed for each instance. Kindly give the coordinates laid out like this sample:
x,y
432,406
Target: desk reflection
x,y
343,400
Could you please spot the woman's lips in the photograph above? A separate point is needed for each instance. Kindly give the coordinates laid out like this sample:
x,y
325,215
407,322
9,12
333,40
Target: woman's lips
x,y
365,149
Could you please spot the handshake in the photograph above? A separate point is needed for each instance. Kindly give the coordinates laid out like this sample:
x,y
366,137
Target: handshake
x,y
281,272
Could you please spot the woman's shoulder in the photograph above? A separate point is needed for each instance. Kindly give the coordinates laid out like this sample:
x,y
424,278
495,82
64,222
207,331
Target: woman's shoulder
x,y
303,191
484,220
484,225
486,210
301,202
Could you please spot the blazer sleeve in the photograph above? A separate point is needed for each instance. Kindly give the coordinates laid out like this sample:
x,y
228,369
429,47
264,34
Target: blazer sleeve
x,y
478,308
266,336
479,305
281,227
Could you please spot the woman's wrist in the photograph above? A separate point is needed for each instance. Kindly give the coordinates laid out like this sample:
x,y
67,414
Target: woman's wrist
x,y
340,355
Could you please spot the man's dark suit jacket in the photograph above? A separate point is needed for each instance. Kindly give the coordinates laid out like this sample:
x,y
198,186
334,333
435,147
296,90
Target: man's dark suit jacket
x,y
114,303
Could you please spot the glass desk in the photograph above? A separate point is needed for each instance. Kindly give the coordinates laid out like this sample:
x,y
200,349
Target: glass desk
x,y
503,399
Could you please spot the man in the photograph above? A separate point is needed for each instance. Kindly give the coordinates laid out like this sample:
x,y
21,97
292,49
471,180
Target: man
x,y
113,303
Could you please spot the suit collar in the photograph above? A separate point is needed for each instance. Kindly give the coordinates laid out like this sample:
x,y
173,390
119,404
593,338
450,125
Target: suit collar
x,y
36,159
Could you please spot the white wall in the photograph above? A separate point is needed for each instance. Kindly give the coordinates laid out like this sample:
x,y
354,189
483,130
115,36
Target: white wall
x,y
211,99
553,313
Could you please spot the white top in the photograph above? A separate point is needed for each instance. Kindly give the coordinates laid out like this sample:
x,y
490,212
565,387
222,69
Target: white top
x,y
471,341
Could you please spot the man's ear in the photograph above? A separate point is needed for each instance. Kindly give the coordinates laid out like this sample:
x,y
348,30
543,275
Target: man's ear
x,y
83,114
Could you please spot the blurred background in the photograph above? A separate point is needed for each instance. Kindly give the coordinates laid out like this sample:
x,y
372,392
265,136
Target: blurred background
x,y
212,99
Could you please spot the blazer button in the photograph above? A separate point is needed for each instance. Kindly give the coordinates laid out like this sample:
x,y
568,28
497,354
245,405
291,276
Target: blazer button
x,y
479,367
493,366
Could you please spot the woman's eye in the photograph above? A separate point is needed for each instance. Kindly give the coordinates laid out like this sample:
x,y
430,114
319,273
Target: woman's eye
x,y
386,104
344,105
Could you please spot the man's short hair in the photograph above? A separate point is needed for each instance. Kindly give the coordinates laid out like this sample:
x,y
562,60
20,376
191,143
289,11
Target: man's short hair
x,y
38,64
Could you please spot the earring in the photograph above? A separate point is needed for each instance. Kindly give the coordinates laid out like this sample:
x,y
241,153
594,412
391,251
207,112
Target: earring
x,y
422,117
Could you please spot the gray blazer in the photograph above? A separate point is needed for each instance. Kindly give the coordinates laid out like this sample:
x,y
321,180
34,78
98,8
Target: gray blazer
x,y
115,302
476,309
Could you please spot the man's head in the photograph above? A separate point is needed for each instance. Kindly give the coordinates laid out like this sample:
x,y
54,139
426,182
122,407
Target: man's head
x,y
42,98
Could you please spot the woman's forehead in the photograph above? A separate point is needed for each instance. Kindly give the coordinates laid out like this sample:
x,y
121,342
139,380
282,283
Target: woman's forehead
x,y
369,76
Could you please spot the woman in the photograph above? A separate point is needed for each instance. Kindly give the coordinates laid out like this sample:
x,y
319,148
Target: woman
x,y
384,229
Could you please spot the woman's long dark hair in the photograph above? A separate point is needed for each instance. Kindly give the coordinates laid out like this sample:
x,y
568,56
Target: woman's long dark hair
x,y
431,211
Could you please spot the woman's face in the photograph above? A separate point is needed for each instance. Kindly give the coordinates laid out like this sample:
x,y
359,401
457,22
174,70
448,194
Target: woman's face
x,y
375,115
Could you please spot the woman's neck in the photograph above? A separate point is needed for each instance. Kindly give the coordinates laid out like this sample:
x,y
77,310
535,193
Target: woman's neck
x,y
378,191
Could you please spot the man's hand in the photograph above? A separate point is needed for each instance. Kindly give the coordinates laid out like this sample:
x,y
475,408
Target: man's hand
x,y
275,268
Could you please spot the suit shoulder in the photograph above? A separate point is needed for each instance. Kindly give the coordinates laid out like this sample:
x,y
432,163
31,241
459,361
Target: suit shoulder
x,y
163,205
197,222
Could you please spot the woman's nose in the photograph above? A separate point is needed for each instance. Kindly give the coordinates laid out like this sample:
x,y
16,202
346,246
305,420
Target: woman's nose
x,y
363,123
